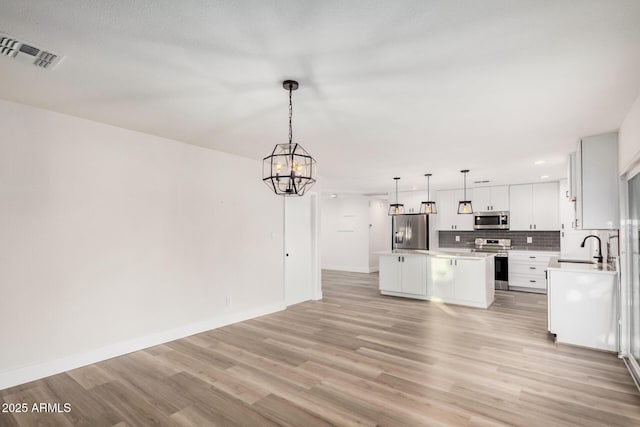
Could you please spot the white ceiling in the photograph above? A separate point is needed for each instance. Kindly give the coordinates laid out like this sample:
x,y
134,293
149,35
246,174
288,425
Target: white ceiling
x,y
387,87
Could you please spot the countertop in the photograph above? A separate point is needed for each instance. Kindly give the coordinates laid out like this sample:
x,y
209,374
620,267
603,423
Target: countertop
x,y
439,253
514,249
603,268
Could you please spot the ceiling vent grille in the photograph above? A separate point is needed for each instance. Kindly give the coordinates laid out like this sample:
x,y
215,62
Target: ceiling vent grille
x,y
41,58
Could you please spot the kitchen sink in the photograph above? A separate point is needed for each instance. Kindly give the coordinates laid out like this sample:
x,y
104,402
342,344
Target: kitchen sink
x,y
576,261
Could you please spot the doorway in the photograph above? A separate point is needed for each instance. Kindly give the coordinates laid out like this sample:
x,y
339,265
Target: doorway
x,y
301,265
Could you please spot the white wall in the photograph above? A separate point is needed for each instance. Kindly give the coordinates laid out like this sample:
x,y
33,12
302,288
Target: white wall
x,y
113,240
629,138
345,233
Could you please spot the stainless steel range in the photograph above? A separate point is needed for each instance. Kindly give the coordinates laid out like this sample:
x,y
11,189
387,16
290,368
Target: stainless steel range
x,y
500,247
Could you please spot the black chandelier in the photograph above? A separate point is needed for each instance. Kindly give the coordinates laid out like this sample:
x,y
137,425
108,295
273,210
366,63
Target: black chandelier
x,y
464,206
428,207
396,208
289,170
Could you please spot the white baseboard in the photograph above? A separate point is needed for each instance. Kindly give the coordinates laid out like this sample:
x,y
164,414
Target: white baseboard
x,y
374,269
346,268
34,372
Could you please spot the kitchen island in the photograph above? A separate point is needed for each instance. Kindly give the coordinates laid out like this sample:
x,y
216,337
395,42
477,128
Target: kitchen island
x,y
462,278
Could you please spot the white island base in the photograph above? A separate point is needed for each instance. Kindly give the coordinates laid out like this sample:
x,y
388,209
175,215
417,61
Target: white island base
x,y
454,278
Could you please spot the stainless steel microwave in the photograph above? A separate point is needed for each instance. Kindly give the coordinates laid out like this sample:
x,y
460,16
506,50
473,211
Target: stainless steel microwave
x,y
491,220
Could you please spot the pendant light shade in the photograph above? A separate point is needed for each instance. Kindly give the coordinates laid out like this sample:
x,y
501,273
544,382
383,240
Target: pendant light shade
x,y
396,208
428,207
289,170
464,206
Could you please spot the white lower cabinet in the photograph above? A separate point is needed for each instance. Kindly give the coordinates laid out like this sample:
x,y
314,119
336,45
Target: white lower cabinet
x,y
403,275
582,308
441,278
450,279
468,273
462,281
527,270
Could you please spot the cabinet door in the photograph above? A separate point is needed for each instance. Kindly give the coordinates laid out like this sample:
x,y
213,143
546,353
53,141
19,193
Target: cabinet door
x,y
577,173
499,198
565,206
463,222
520,207
414,275
470,279
545,209
447,209
448,218
482,199
441,278
411,200
599,182
390,273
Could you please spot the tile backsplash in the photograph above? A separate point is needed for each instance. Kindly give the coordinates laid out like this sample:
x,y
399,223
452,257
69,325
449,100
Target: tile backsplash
x,y
541,240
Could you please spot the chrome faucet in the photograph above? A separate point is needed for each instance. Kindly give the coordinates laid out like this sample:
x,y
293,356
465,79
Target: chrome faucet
x,y
599,257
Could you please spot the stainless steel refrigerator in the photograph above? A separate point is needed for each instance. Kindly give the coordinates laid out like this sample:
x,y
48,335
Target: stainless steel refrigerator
x,y
410,231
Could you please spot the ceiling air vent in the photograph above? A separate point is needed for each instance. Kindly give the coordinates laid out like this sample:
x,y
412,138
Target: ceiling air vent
x,y
22,51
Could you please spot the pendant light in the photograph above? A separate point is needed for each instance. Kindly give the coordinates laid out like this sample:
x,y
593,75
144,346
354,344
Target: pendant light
x,y
464,206
396,208
289,170
428,207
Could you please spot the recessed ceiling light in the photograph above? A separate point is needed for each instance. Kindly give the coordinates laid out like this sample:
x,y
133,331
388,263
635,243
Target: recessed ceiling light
x,y
539,162
333,196
544,176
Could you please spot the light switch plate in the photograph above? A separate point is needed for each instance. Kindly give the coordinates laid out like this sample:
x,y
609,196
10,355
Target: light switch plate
x,y
529,239
457,238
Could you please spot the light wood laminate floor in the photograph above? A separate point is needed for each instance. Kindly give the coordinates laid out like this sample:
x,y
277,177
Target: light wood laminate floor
x,y
354,358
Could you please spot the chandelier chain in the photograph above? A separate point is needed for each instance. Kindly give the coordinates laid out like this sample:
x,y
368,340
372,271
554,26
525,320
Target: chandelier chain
x,y
396,191
290,116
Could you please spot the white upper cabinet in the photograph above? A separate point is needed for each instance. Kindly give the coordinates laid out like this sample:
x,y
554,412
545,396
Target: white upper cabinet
x,y
481,199
411,200
546,208
491,198
596,178
448,217
500,198
520,199
447,211
534,207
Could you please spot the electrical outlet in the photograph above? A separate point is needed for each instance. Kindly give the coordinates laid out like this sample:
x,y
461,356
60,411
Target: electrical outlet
x,y
529,239
228,300
457,238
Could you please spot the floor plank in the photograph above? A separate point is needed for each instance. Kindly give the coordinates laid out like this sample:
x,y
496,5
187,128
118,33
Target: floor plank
x,y
354,358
